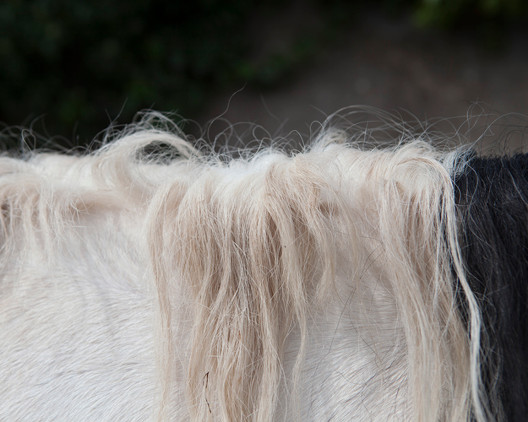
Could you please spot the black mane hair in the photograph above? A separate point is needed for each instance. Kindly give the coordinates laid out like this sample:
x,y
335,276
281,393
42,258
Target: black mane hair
x,y
492,198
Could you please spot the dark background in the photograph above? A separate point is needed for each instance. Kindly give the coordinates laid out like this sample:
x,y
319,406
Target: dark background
x,y
70,69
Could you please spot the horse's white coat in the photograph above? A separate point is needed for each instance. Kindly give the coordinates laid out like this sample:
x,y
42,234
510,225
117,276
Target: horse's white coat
x,y
79,308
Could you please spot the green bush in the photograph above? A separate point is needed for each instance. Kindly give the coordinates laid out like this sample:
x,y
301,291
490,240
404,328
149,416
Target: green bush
x,y
77,61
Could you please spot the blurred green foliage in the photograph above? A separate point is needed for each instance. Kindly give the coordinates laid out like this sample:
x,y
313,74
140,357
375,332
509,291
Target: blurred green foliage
x,y
451,13
488,19
78,65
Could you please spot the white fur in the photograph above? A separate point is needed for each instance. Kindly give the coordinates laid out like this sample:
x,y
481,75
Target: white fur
x,y
319,286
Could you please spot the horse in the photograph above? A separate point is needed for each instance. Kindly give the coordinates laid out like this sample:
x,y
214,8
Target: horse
x,y
336,283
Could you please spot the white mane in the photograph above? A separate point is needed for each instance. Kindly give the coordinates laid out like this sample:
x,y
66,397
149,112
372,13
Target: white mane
x,y
314,287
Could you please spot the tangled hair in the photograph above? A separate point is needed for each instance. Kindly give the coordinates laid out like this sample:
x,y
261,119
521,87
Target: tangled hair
x,y
492,198
324,284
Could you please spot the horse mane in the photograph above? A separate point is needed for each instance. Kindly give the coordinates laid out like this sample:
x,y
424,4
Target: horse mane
x,y
248,251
